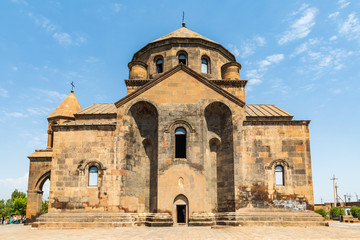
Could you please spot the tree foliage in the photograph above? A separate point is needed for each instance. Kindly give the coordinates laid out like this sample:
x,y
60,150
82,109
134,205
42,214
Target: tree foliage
x,y
15,205
355,211
322,212
44,207
336,212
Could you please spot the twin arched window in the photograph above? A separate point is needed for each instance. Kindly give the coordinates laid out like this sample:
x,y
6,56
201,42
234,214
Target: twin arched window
x,y
93,176
180,143
279,175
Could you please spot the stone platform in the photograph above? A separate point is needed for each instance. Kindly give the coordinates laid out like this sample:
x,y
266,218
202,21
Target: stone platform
x,y
245,217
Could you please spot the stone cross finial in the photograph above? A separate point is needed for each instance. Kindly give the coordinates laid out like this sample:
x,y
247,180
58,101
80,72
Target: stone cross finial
x,y
72,86
183,21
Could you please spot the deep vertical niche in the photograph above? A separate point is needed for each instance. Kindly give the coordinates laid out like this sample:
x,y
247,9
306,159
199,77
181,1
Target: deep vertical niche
x,y
145,116
218,118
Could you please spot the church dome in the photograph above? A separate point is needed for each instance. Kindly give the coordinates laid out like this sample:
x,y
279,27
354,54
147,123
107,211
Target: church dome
x,y
185,46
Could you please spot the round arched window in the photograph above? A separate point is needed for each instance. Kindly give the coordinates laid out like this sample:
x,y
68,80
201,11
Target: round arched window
x,y
279,175
204,65
159,65
180,143
93,176
182,58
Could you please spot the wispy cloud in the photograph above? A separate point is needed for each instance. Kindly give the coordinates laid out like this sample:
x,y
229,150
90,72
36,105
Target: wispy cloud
x,y
3,92
300,27
350,28
92,59
39,111
255,75
117,7
14,114
63,38
343,3
305,46
50,94
23,2
248,47
8,185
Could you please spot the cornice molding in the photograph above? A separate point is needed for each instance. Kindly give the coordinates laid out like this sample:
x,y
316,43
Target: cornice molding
x,y
277,123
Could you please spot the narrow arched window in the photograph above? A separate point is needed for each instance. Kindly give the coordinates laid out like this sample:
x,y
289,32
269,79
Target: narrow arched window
x,y
93,176
182,58
279,175
159,65
180,143
204,65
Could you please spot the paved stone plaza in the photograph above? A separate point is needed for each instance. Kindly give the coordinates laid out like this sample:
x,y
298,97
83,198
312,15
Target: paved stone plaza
x,y
335,231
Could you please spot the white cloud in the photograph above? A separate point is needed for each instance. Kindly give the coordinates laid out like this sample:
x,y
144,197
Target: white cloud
x,y
63,38
276,58
39,111
117,7
8,185
334,15
343,3
351,27
19,2
14,114
248,47
301,27
3,92
91,59
14,68
52,95
305,46
333,38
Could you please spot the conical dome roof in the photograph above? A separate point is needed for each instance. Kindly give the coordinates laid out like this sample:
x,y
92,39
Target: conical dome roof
x,y
183,32
67,108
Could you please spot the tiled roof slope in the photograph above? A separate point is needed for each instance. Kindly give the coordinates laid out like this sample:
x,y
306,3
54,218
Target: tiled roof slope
x,y
251,110
99,108
183,33
67,108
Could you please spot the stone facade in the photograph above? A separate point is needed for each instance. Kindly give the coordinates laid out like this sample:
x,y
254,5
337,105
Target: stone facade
x,y
232,151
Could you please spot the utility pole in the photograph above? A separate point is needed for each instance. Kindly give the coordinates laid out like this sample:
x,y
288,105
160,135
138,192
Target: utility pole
x,y
357,199
335,194
345,198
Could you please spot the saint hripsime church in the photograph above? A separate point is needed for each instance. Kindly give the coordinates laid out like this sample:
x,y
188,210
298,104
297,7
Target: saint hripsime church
x,y
181,148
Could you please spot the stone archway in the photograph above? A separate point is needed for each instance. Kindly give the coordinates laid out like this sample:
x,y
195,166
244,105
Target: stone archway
x,y
181,210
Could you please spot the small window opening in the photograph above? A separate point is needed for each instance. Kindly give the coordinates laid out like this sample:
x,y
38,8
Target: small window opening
x,y
93,176
182,59
159,66
204,65
279,175
180,143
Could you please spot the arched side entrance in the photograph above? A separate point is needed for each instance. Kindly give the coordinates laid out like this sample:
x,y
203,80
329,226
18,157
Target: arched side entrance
x,y
181,210
35,194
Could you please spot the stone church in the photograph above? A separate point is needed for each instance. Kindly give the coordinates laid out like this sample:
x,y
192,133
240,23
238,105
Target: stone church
x,y
181,148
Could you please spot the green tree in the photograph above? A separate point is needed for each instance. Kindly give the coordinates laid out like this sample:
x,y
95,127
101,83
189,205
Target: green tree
x,y
19,206
322,212
44,207
336,212
355,211
17,194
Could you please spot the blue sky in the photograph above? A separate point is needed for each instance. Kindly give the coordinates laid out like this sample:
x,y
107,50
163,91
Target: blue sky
x,y
302,56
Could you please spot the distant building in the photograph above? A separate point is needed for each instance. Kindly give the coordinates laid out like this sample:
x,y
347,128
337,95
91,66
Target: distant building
x,y
182,145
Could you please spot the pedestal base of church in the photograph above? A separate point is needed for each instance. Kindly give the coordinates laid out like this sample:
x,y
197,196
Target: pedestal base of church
x,y
245,217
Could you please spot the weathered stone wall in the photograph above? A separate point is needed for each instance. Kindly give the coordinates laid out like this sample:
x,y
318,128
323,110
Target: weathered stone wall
x,y
266,145
75,150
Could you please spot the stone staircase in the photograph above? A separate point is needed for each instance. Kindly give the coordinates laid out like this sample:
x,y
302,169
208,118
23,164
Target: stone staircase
x,y
270,217
244,217
103,220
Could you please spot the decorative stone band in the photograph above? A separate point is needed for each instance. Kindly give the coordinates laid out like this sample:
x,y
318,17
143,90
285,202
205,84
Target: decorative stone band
x,y
288,123
230,83
136,83
85,124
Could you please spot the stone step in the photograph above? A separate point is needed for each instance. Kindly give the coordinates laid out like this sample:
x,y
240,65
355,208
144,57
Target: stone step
x,y
81,224
269,218
273,223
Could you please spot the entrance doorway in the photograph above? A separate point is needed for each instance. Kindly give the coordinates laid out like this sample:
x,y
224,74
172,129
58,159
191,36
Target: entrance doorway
x,y
181,210
181,213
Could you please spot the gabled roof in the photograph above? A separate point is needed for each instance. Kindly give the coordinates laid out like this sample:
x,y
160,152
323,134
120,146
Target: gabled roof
x,y
183,32
67,108
265,110
98,109
172,71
